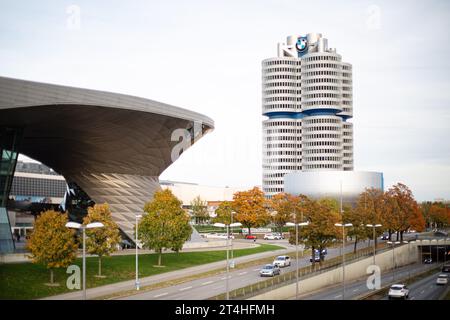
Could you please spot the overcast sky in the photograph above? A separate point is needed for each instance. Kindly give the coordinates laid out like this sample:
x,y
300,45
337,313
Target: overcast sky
x,y
206,56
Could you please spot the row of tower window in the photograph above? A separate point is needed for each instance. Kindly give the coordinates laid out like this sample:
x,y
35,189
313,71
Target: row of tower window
x,y
273,190
272,99
282,153
322,95
281,160
281,62
282,76
281,123
283,84
273,182
321,65
315,88
346,67
322,128
321,73
283,138
346,75
282,145
322,166
322,136
282,106
320,58
320,103
273,175
281,69
282,91
347,82
274,131
347,155
322,120
343,88
309,159
320,80
322,143
315,151
347,102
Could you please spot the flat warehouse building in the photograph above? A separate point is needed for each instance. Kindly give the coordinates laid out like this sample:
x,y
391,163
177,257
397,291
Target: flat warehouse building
x,y
109,147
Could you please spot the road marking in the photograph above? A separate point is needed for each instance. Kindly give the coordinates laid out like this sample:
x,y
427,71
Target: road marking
x,y
412,298
225,278
187,288
421,292
207,282
242,273
160,295
338,296
255,269
355,290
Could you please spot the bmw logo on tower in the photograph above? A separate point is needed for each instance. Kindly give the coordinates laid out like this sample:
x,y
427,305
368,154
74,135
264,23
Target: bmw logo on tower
x,y
302,45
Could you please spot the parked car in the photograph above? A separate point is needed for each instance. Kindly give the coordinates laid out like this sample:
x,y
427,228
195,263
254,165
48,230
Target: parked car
x,y
428,261
269,270
442,279
272,236
282,261
398,291
250,236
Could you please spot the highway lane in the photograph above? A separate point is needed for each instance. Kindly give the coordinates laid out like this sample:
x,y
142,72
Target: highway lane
x,y
425,289
359,287
210,286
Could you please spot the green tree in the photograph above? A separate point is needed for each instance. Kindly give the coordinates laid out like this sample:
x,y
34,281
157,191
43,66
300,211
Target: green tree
x,y
164,225
101,241
224,212
199,210
251,208
51,243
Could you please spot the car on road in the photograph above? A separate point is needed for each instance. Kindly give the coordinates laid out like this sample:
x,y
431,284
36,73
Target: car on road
x,y
282,261
398,291
316,258
385,236
442,279
428,261
278,234
269,270
272,236
446,268
250,236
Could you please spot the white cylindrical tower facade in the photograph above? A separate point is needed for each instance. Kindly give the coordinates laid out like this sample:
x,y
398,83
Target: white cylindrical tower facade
x,y
307,99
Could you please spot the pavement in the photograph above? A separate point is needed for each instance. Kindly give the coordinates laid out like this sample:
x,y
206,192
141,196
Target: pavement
x,y
211,286
103,291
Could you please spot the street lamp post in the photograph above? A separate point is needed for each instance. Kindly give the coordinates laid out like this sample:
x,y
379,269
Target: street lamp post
x,y
373,226
296,225
92,225
223,225
393,257
343,226
138,216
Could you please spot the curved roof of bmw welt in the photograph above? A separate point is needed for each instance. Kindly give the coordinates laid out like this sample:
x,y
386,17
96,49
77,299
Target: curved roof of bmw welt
x,y
113,146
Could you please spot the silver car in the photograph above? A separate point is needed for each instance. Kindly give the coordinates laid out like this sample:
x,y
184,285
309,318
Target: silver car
x,y
442,279
269,270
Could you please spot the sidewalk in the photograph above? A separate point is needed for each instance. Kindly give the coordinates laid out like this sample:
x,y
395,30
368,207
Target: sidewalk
x,y
102,291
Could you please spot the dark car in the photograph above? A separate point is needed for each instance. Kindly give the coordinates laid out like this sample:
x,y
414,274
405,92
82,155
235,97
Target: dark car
x,y
428,261
385,237
250,236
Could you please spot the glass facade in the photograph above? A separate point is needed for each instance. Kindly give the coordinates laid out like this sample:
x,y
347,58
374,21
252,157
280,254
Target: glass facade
x,y
9,145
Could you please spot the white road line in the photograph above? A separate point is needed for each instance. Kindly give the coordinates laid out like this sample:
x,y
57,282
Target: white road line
x,y
412,298
421,292
356,290
225,278
338,296
255,269
242,273
207,282
160,295
183,289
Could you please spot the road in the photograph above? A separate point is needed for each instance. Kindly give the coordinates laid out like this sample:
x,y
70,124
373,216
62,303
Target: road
x,y
425,289
210,286
359,287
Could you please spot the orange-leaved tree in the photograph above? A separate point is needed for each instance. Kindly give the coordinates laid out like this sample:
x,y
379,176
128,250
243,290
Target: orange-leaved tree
x,y
51,243
251,208
101,241
285,207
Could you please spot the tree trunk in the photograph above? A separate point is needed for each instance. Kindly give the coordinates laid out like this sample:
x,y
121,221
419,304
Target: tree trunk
x,y
401,236
313,256
356,243
398,233
99,266
159,257
51,276
249,231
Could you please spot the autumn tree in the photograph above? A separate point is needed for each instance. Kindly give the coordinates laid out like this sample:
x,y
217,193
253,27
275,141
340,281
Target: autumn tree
x,y
164,225
358,219
101,241
438,215
401,208
199,210
51,243
322,216
224,212
251,208
284,205
370,205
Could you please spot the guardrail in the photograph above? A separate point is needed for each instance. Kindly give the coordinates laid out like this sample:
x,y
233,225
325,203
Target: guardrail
x,y
291,276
